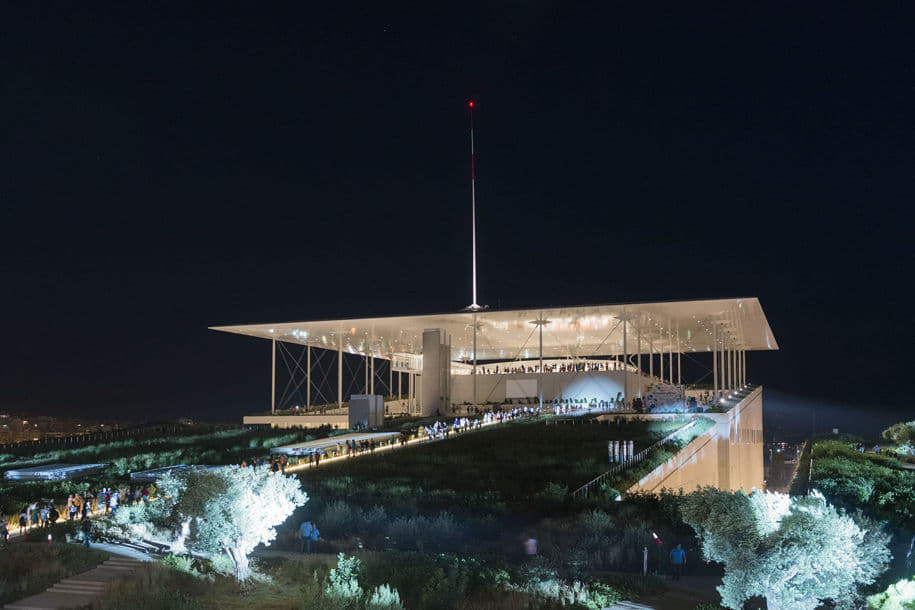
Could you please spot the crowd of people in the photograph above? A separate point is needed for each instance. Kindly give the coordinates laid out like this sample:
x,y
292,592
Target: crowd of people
x,y
565,367
46,513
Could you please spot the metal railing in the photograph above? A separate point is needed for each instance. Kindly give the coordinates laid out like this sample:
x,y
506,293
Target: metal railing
x,y
585,490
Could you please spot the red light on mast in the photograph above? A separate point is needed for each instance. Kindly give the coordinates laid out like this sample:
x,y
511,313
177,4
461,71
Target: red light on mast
x,y
470,104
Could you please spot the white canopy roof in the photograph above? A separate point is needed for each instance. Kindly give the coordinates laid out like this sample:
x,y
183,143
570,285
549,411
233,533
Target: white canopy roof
x,y
576,332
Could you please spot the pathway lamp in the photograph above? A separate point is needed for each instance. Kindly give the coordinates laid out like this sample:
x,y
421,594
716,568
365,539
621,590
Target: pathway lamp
x,y
660,544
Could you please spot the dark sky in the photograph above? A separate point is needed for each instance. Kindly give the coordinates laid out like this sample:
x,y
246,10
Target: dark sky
x,y
168,168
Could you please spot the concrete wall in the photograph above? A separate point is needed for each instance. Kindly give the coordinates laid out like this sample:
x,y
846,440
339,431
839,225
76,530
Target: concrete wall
x,y
600,385
436,386
728,456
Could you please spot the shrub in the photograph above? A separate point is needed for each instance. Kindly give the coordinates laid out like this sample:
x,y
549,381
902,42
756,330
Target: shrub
x,y
343,581
384,598
181,563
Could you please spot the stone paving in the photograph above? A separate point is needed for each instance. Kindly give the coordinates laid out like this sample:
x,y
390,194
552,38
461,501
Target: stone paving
x,y
82,589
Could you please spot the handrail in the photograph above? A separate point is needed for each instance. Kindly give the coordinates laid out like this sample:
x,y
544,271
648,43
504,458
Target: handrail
x,y
584,490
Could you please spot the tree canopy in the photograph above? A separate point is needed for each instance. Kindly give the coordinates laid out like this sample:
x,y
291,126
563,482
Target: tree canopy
x,y
794,551
903,435
227,511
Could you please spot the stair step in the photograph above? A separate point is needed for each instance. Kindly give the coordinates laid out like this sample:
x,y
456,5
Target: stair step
x,y
88,584
75,591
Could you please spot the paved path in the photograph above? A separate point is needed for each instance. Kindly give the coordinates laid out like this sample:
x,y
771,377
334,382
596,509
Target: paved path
x,y
685,594
83,589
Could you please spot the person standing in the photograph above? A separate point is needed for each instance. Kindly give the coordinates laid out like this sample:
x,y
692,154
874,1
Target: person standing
x,y
315,535
86,526
677,561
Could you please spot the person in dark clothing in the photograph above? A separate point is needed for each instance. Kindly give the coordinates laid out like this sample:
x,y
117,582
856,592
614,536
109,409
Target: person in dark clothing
x,y
86,526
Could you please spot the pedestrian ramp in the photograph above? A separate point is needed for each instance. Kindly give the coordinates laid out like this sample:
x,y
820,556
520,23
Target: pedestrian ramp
x,y
80,590
629,606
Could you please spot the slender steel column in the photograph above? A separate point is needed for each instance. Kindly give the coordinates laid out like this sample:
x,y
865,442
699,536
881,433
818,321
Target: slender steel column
x,y
391,377
340,369
733,372
715,360
730,368
474,372
650,359
625,368
638,358
661,361
540,381
273,379
308,377
679,359
372,375
670,353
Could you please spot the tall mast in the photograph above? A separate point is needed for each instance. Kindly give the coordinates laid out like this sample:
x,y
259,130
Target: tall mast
x,y
473,210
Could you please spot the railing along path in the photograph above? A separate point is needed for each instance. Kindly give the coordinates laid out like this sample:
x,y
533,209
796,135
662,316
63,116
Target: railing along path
x,y
585,489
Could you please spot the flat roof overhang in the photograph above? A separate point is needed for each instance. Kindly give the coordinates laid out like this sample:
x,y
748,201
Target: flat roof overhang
x,y
569,332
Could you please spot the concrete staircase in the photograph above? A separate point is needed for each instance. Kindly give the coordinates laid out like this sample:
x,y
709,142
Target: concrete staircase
x,y
80,590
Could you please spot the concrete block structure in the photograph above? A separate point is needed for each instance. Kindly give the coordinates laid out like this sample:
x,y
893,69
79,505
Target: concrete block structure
x,y
366,412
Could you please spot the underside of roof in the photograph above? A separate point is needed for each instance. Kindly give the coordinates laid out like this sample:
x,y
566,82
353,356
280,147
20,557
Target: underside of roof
x,y
568,332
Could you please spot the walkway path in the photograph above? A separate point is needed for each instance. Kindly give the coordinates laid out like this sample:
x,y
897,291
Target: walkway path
x,y
83,589
685,594
422,440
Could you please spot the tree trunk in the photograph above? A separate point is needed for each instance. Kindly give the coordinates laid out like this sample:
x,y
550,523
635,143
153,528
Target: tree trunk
x,y
771,604
240,560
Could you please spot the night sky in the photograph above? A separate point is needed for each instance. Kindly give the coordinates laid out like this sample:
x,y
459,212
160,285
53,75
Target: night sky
x,y
168,168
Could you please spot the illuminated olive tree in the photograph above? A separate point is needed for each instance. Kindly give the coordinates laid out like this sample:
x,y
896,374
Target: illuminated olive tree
x,y
903,435
897,596
227,511
793,551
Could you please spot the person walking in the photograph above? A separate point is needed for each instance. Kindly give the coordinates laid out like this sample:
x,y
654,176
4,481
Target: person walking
x,y
305,530
677,561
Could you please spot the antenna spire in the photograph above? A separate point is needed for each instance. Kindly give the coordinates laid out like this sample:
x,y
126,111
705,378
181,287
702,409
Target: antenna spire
x,y
473,211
